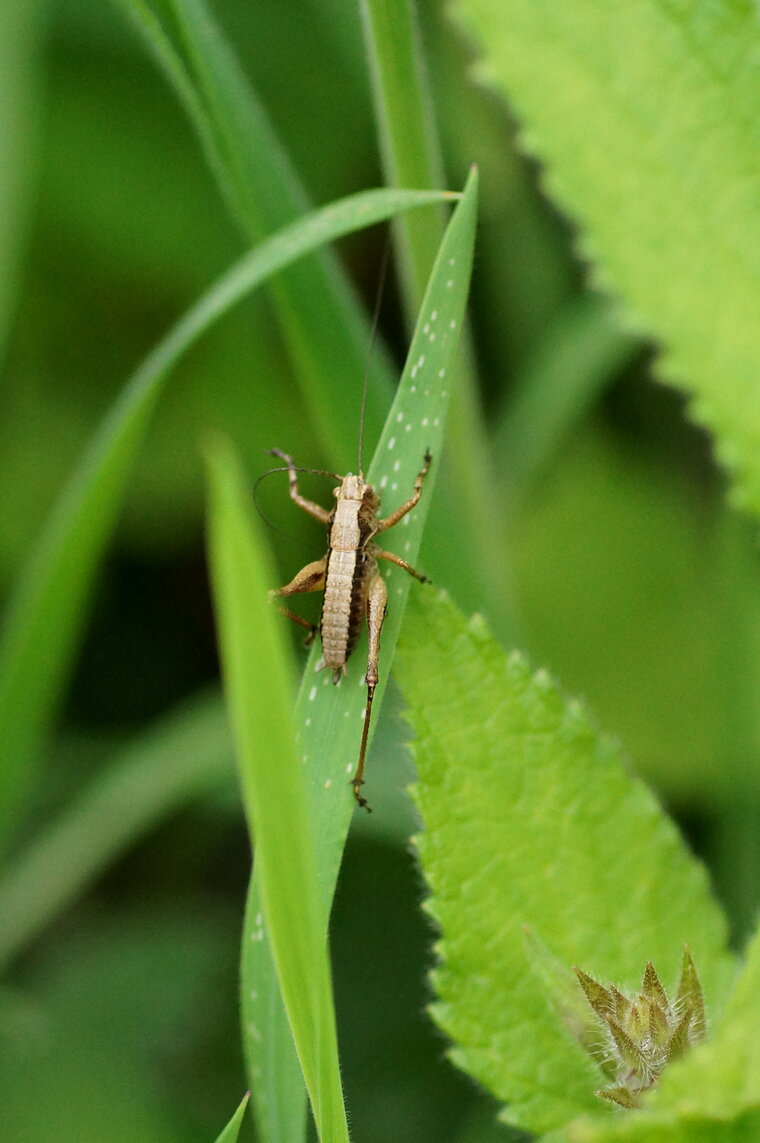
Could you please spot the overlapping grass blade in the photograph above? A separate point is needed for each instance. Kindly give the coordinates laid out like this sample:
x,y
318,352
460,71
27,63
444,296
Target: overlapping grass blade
x,y
325,331
325,335
328,718
47,610
411,158
259,687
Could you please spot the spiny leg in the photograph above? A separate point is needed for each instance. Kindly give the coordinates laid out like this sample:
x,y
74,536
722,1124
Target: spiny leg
x,y
381,554
315,510
377,598
309,578
412,502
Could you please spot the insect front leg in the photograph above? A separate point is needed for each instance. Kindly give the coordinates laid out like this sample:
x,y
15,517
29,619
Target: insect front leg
x,y
315,510
412,502
310,578
377,599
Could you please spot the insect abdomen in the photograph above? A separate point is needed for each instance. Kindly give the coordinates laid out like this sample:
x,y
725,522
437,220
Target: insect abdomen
x,y
343,604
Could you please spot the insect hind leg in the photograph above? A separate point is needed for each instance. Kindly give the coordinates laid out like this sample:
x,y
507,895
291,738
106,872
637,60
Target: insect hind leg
x,y
309,578
377,599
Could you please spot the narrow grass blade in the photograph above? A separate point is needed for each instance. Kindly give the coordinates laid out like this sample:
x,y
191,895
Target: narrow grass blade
x,y
407,132
411,158
46,612
182,758
328,718
232,1130
258,685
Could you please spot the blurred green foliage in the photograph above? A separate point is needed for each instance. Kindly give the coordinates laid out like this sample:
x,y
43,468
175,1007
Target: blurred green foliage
x,y
632,581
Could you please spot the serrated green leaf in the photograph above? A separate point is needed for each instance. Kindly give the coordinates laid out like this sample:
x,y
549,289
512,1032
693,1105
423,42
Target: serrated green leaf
x,y
532,819
232,1130
646,116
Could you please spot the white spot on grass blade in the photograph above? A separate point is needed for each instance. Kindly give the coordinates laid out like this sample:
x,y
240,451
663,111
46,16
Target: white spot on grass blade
x,y
391,443
312,694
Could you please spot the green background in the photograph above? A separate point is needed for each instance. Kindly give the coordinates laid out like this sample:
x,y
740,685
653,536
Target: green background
x,y
632,582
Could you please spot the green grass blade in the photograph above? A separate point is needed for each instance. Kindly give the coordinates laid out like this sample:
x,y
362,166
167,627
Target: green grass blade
x,y
259,686
532,821
325,331
407,132
582,350
328,718
411,158
183,757
232,1130
648,125
47,610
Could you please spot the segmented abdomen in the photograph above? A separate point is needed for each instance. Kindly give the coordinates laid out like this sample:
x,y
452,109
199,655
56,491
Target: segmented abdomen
x,y
343,604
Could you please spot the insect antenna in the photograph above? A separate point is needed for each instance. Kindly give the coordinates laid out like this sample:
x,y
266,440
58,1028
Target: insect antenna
x,y
372,338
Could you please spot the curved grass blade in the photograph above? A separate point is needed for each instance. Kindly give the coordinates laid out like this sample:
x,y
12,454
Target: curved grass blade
x,y
231,1131
46,612
259,686
328,718
325,330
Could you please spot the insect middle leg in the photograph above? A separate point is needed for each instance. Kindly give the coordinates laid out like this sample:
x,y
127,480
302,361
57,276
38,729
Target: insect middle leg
x,y
310,578
381,554
377,599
